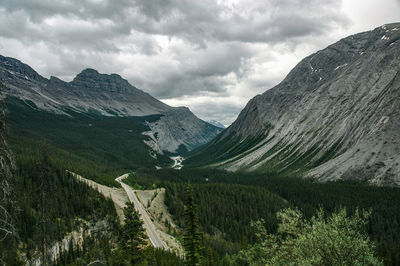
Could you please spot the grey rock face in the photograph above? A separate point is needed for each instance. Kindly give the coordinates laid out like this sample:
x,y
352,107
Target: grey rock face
x,y
180,126
216,123
108,95
336,115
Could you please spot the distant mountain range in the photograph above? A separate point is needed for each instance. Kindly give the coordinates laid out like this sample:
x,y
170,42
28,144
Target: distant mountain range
x,y
106,95
216,123
335,116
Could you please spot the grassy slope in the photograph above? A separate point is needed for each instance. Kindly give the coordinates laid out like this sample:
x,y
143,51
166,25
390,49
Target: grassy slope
x,y
286,159
219,150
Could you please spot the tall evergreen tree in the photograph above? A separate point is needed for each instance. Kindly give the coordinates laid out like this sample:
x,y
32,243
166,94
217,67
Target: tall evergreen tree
x,y
47,176
191,237
132,236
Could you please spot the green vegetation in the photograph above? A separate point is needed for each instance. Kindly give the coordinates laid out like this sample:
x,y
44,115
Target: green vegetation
x,y
283,157
191,238
107,145
51,203
26,148
225,149
132,236
130,248
228,202
336,240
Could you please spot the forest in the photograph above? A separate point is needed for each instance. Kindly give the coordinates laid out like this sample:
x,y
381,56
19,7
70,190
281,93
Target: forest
x,y
47,199
48,203
228,202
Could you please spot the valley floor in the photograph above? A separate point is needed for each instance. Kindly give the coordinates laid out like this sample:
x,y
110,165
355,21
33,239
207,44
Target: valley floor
x,y
154,216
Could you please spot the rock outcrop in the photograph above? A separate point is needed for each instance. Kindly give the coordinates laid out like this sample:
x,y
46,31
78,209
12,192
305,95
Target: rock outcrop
x,y
335,116
106,95
179,127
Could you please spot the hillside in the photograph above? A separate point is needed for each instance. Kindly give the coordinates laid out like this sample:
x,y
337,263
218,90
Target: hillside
x,y
335,116
93,94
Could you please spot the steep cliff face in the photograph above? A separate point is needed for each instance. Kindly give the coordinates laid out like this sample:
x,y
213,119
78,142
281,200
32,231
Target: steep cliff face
x,y
90,91
179,127
106,95
335,116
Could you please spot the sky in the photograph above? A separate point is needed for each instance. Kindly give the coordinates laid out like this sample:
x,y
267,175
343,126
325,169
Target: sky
x,y
210,55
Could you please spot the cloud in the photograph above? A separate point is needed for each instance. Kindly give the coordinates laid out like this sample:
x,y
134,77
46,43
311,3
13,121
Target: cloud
x,y
210,107
173,49
244,21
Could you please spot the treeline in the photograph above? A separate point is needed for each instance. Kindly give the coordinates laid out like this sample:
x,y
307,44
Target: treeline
x,y
51,203
106,144
27,149
229,201
130,247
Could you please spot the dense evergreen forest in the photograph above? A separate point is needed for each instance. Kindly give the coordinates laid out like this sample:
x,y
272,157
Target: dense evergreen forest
x,y
113,143
49,203
228,202
49,200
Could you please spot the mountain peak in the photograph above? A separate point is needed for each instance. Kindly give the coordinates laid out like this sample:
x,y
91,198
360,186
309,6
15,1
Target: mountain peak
x,y
335,116
89,72
15,67
91,80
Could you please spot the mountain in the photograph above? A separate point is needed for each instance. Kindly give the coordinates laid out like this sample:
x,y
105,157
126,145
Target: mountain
x,y
335,116
106,95
216,123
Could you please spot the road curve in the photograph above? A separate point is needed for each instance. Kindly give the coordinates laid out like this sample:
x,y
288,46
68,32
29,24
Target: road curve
x,y
177,162
151,230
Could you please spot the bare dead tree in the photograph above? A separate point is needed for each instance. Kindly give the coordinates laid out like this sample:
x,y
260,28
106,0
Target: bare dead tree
x,y
7,165
43,193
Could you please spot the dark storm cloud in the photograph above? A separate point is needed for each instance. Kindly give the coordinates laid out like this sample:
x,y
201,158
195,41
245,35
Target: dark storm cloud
x,y
199,72
169,48
195,21
251,21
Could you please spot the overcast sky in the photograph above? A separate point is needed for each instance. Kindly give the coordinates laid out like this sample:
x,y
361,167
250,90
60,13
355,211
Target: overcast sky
x,y
210,55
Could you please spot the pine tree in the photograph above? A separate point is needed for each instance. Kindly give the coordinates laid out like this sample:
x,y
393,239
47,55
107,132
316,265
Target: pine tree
x,y
192,236
132,237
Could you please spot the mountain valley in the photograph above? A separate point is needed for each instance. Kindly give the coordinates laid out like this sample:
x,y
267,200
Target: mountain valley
x,y
98,172
95,95
335,116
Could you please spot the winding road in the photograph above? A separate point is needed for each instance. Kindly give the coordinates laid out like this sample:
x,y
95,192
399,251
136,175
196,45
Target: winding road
x,y
177,162
151,230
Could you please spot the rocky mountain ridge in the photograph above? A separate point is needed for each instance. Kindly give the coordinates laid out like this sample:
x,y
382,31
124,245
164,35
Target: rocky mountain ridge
x,y
216,123
106,95
335,116
109,95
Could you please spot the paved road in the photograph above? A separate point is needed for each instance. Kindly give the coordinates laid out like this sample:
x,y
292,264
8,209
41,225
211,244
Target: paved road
x,y
151,231
177,162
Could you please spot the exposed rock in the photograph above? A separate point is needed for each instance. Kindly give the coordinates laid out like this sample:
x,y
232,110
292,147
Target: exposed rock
x,y
73,239
152,142
178,127
216,123
336,115
108,95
